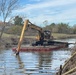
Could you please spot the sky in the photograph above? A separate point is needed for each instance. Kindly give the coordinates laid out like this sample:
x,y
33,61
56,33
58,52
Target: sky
x,y
54,11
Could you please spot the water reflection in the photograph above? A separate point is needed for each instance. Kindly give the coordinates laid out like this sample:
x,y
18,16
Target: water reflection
x,y
45,62
32,63
21,65
35,62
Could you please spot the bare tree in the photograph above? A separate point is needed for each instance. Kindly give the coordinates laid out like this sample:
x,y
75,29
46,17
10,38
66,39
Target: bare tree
x,y
6,8
45,22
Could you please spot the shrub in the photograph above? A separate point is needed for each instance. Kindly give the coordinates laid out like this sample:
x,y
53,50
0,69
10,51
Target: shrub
x,y
14,30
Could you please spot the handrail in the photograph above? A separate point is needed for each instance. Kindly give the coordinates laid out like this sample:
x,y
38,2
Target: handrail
x,y
69,59
69,71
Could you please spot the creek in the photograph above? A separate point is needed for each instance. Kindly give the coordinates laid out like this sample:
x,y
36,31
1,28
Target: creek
x,y
34,63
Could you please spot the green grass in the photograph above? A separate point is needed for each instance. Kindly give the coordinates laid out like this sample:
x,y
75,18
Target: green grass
x,y
11,35
55,35
62,36
6,35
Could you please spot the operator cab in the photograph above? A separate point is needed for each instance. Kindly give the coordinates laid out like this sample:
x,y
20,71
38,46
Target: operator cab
x,y
45,37
47,34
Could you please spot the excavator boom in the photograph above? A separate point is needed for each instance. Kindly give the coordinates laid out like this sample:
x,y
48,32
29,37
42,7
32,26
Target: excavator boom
x,y
33,26
27,24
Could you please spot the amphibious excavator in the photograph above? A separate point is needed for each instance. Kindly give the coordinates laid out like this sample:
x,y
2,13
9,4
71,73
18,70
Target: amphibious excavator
x,y
44,38
43,35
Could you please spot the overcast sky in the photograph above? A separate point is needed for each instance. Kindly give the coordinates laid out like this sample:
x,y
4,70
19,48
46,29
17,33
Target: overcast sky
x,y
55,11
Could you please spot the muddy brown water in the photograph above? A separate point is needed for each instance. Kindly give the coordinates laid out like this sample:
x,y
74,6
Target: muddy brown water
x,y
33,63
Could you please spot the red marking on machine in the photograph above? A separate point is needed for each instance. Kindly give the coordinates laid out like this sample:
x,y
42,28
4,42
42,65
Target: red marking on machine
x,y
40,48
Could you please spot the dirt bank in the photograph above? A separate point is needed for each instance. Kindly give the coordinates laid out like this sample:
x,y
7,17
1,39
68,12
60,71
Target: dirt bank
x,y
10,42
69,68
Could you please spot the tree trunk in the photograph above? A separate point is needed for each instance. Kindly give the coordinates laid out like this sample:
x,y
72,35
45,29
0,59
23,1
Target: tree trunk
x,y
2,31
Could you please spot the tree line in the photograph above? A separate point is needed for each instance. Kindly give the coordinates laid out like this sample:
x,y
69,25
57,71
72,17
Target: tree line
x,y
55,28
61,28
6,8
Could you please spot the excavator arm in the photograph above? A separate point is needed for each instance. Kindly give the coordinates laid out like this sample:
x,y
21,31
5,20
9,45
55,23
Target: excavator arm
x,y
39,29
27,24
33,26
21,37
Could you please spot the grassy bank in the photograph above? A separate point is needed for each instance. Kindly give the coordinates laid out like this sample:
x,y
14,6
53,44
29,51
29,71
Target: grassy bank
x,y
63,36
55,35
6,38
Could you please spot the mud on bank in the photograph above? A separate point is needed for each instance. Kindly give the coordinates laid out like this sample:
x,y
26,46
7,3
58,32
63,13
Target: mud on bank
x,y
10,42
69,68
